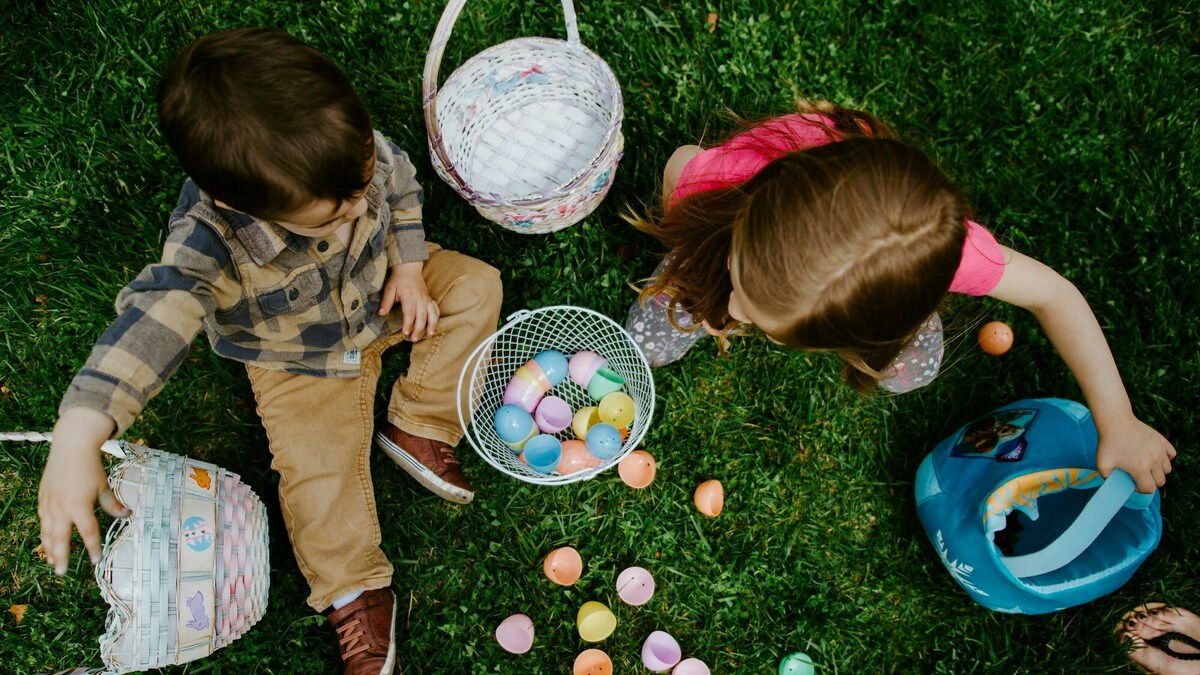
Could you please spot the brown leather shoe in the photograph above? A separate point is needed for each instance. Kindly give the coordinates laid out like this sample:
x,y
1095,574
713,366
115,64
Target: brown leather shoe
x,y
432,463
366,633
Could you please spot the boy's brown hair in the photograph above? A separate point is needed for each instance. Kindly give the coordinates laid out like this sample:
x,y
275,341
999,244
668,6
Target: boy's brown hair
x,y
847,246
264,122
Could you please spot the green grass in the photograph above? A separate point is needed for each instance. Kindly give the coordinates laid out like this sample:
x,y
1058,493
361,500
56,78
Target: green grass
x,y
1072,127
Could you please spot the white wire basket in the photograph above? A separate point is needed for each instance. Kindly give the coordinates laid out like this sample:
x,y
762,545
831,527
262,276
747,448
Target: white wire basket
x,y
568,330
529,130
188,572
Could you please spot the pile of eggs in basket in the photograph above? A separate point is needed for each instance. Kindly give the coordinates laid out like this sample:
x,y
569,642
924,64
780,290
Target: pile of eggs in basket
x,y
529,418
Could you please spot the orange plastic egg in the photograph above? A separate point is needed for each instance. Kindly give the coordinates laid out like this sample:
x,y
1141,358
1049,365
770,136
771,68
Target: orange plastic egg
x,y
995,338
575,457
563,566
710,498
637,469
592,662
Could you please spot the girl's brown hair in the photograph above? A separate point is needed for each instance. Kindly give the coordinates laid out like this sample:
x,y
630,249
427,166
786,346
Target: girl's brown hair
x,y
846,247
264,122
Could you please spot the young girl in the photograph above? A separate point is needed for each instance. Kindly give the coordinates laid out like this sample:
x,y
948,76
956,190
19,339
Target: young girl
x,y
828,234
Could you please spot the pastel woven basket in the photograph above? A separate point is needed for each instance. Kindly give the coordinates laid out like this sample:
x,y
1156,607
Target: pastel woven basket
x,y
528,131
188,572
568,330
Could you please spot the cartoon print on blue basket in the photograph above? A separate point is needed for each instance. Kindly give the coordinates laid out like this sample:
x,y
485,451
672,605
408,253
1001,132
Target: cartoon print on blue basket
x,y
999,436
195,604
197,533
201,477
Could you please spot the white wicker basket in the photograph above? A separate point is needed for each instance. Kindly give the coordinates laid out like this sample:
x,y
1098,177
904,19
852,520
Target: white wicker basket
x,y
568,330
188,572
528,131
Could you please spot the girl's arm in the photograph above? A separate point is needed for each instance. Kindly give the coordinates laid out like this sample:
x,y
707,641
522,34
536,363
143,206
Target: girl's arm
x,y
1125,441
682,155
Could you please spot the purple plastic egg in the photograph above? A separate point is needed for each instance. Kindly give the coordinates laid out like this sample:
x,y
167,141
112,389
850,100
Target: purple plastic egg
x,y
691,667
553,415
583,365
635,585
660,652
515,634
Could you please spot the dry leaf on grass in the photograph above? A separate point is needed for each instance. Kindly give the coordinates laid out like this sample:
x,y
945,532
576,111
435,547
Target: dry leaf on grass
x,y
18,612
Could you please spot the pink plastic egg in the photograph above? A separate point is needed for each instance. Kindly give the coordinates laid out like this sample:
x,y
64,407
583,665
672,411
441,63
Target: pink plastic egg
x,y
635,585
575,457
527,387
637,469
710,498
553,415
691,667
592,662
660,652
563,566
515,634
583,365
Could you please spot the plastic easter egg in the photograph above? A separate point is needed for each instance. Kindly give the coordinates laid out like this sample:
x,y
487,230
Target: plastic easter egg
x,y
526,387
691,667
585,418
583,365
552,415
542,453
710,498
603,441
515,634
514,426
796,664
592,662
995,338
637,469
563,566
604,382
595,621
554,365
635,585
575,457
616,409
660,652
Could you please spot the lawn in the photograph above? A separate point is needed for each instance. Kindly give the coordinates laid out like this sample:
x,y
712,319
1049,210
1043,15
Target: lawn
x,y
1071,127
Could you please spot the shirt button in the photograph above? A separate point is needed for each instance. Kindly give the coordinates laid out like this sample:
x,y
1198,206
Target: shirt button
x,y
360,328
293,294
323,246
354,305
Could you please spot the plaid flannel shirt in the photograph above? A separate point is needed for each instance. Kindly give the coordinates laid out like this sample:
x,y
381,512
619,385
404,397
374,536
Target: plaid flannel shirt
x,y
263,295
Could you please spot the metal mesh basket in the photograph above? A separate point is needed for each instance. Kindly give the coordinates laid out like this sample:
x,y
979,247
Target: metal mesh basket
x,y
568,330
188,572
528,131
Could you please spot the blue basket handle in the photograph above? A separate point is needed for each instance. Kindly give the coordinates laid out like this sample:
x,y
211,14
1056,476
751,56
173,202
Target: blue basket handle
x,y
1117,492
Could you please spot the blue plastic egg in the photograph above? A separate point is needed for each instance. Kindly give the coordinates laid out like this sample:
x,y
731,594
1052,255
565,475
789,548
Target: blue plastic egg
x,y
514,426
603,440
542,453
554,364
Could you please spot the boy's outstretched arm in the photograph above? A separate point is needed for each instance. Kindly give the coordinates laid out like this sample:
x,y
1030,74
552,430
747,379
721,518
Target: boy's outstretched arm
x,y
72,483
1125,441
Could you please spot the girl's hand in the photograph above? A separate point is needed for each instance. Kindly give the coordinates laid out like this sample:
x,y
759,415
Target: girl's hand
x,y
406,284
1128,443
72,483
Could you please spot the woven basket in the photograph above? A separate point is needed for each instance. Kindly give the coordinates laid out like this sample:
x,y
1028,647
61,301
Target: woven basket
x,y
528,131
188,572
568,330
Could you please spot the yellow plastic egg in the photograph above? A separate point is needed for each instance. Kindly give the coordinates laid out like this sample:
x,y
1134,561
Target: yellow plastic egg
x,y
617,409
585,418
595,621
710,498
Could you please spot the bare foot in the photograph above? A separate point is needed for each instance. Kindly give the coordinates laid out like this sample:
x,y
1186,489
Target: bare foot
x,y
1153,621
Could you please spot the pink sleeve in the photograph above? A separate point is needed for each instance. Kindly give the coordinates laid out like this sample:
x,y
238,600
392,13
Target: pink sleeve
x,y
739,158
982,263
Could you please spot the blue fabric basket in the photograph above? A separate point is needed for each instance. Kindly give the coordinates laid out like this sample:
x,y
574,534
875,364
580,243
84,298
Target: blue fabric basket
x,y
1021,518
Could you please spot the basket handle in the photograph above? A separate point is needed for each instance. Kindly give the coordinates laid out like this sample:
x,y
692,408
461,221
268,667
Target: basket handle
x,y
429,80
114,448
1115,493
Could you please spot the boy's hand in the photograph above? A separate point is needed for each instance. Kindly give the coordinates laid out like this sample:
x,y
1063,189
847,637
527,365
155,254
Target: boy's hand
x,y
1128,443
72,483
406,284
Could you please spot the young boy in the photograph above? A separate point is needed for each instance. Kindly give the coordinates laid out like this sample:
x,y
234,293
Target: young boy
x,y
296,237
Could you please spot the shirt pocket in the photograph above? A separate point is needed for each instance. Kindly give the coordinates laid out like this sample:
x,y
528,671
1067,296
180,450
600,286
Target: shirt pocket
x,y
300,291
